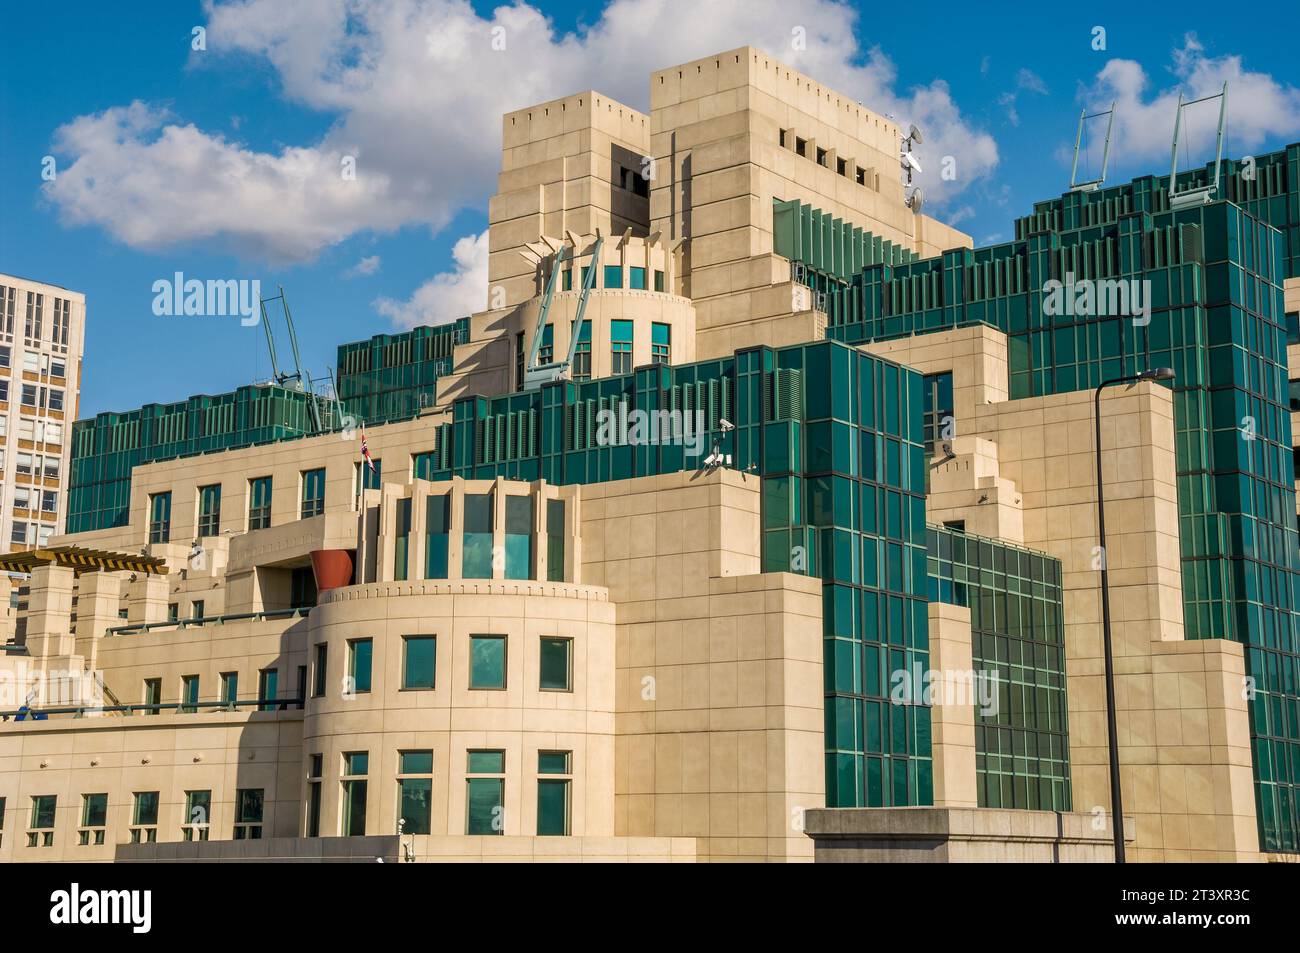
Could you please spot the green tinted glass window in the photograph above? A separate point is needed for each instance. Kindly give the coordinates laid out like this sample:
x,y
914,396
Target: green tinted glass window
x,y
556,664
419,659
487,661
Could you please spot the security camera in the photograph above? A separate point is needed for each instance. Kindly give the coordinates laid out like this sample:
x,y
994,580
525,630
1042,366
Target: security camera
x,y
711,459
726,425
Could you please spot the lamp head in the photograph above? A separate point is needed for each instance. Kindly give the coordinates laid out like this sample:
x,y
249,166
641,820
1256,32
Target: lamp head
x,y
1157,374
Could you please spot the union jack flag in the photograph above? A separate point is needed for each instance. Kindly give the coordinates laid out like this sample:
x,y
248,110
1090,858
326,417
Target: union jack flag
x,y
365,453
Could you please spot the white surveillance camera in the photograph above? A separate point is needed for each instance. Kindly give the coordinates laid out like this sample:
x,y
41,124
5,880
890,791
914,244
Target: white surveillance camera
x,y
726,425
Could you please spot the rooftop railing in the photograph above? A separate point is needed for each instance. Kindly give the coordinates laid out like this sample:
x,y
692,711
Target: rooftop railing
x,y
137,627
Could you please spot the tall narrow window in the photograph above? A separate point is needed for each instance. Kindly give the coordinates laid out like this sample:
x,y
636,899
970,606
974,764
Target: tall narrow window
x,y
485,793
419,656
477,547
320,669
249,806
546,350
314,794
198,815
661,343
620,347
555,540
659,280
210,510
152,694
313,493
938,409
555,770
437,529
582,353
230,687
423,465
415,790
356,765
160,517
268,688
402,539
259,503
519,537
487,662
144,818
636,277
613,276
189,693
94,819
41,830
371,479
359,664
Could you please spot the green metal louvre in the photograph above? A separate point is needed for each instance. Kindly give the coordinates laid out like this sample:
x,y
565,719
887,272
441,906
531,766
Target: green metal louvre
x,y
1215,275
393,376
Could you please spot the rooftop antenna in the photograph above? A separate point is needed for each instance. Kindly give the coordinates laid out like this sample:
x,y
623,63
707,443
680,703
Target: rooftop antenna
x,y
1092,184
535,374
296,379
1197,194
908,161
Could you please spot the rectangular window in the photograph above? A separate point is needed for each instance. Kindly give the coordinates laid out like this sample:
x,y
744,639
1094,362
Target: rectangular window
x,y
938,411
487,662
198,815
152,694
189,693
41,829
659,280
229,687
210,510
613,276
636,278
249,805
319,674
144,818
360,652
620,347
555,540
661,343
402,539
556,665
196,609
519,537
94,818
49,501
268,688
356,764
314,794
582,353
419,656
313,493
160,517
259,503
546,350
553,792
477,546
422,465
485,796
415,790
437,530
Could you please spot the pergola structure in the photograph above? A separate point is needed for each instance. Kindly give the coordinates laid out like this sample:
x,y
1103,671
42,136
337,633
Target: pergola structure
x,y
81,559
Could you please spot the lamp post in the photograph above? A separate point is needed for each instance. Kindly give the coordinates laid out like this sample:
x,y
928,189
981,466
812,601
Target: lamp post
x,y
1112,740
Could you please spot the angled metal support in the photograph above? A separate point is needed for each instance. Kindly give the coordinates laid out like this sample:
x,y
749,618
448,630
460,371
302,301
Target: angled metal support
x,y
1203,194
1092,184
545,309
536,375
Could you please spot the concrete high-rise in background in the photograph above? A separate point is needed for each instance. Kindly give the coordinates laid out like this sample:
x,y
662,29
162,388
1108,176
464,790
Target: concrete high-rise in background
x,y
42,329
755,518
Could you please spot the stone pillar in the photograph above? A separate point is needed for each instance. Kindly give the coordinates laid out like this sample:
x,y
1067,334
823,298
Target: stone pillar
x,y
49,611
952,717
147,598
98,597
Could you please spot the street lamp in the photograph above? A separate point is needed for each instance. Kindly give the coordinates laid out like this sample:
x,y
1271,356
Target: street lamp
x,y
1112,741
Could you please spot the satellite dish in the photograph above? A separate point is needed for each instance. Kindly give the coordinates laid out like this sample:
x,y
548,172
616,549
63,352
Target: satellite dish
x,y
914,134
916,200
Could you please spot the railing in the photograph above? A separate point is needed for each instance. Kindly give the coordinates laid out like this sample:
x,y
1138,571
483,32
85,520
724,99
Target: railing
x,y
208,620
188,708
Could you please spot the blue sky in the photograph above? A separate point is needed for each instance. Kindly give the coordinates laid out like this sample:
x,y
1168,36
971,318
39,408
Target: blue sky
x,y
223,162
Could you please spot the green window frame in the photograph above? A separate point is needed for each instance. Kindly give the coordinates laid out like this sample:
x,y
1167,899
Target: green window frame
x,y
94,819
415,791
198,815
485,795
437,536
636,277
661,343
423,465
356,765
229,687
360,665
519,537
321,670
250,805
268,689
369,479
189,693
160,517
555,664
210,510
144,818
613,276
313,493
555,540
582,352
152,694
419,662
476,549
402,539
487,662
659,280
259,503
554,783
620,347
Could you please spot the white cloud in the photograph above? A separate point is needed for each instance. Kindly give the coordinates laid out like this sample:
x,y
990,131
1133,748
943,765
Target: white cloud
x,y
364,268
1261,110
1026,81
417,92
449,295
